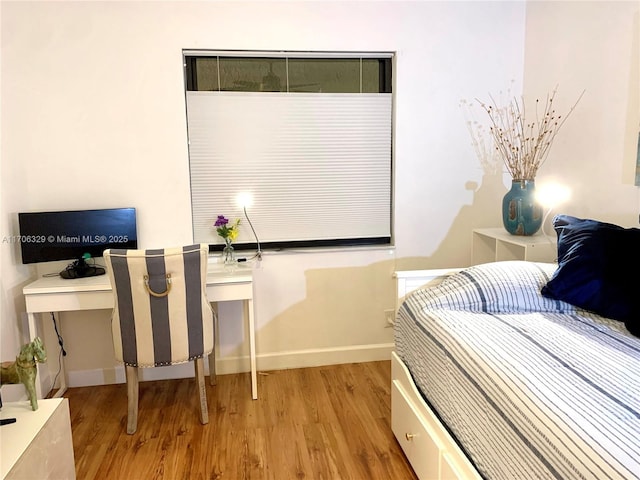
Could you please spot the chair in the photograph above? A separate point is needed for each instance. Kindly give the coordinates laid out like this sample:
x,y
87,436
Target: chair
x,y
161,314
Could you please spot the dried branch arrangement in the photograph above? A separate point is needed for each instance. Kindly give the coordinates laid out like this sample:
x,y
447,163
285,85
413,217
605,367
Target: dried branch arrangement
x,y
523,144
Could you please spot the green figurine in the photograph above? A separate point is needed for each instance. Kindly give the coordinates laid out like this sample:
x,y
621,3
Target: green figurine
x,y
24,369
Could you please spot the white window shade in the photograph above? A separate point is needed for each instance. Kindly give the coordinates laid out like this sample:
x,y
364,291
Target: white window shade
x,y
317,166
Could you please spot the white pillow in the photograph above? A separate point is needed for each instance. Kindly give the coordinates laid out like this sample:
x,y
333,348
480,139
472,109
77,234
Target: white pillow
x,y
497,287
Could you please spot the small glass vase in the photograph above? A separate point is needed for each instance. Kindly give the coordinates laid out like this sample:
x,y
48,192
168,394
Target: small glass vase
x,y
228,254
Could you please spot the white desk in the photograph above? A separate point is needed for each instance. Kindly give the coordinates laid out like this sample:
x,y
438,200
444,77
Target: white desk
x,y
54,294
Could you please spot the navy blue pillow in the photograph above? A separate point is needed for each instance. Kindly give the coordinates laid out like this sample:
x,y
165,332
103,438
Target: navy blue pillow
x,y
598,265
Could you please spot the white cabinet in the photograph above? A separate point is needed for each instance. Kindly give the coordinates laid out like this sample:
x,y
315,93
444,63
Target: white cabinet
x,y
496,244
38,445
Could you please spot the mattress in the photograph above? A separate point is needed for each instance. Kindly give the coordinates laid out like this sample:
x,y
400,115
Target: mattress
x,y
529,387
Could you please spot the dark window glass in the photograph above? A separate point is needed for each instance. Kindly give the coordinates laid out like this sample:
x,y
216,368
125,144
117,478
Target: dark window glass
x,y
253,74
316,75
206,73
324,75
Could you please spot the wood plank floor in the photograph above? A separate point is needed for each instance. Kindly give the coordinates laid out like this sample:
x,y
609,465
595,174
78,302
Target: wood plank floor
x,y
330,422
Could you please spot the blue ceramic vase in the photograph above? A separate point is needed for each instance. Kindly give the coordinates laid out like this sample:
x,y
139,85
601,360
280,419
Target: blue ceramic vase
x,y
521,213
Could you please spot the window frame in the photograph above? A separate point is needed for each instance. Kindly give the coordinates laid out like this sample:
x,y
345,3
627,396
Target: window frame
x,y
386,81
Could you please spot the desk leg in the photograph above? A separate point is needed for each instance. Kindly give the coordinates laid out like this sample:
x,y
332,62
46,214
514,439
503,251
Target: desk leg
x,y
252,348
212,367
32,335
63,374
213,380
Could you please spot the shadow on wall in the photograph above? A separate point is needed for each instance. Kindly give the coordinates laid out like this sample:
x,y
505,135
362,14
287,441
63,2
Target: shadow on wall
x,y
342,307
455,248
345,306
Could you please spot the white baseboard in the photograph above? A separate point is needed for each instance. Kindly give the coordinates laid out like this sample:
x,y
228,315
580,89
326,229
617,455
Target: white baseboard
x,y
227,365
324,356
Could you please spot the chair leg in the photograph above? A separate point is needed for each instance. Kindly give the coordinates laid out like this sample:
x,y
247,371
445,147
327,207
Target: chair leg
x,y
202,391
132,399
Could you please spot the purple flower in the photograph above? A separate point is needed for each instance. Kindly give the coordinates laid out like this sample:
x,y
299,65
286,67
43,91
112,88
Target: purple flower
x,y
227,231
221,221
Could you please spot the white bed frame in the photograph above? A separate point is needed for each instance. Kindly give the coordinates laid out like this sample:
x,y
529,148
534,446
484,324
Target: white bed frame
x,y
432,452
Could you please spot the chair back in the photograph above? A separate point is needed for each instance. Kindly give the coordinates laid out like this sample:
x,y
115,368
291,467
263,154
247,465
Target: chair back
x,y
161,314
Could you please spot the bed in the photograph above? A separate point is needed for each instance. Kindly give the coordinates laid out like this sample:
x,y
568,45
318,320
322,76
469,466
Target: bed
x,y
495,377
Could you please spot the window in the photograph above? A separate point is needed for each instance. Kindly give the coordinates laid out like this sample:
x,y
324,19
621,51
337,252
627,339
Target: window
x,y
306,136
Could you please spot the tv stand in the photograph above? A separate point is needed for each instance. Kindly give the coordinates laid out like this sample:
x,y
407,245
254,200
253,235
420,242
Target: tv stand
x,y
80,269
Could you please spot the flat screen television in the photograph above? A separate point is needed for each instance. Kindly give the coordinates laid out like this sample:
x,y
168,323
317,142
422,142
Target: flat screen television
x,y
76,235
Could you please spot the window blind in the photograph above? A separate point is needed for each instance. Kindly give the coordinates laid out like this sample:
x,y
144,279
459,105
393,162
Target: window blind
x,y
317,166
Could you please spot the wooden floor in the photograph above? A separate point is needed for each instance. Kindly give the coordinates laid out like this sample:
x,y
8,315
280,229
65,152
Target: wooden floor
x,y
315,423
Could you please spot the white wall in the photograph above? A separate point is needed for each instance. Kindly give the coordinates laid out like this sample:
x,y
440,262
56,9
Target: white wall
x,y
93,115
592,47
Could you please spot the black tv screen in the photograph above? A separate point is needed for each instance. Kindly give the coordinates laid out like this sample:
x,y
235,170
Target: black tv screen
x,y
69,235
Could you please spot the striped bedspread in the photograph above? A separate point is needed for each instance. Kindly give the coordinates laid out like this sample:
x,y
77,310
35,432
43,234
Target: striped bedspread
x,y
530,387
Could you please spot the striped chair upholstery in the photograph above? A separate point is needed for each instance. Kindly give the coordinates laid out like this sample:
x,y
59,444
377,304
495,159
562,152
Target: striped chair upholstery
x,y
161,314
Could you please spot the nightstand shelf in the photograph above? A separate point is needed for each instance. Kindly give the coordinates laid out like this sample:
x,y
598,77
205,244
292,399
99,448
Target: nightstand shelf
x,y
496,244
